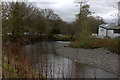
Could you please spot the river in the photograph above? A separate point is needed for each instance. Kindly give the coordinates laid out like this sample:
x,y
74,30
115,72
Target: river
x,y
44,59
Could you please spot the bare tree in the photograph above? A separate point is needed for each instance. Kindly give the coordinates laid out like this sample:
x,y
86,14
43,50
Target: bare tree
x,y
82,16
116,16
49,14
18,16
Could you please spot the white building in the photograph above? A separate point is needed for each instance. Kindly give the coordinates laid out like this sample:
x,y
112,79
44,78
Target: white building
x,y
108,30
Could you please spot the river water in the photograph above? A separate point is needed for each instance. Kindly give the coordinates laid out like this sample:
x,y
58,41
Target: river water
x,y
44,59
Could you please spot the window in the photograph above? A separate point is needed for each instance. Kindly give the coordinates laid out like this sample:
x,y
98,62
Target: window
x,y
102,30
117,31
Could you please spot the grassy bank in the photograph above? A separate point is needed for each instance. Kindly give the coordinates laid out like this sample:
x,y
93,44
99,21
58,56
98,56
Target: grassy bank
x,y
63,38
91,43
14,63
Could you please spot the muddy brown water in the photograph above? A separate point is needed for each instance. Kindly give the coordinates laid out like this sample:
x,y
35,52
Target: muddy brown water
x,y
44,59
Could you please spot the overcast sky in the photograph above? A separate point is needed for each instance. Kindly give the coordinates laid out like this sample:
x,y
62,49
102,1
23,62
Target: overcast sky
x,y
66,8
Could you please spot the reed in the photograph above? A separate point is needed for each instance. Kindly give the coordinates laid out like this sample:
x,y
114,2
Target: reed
x,y
15,64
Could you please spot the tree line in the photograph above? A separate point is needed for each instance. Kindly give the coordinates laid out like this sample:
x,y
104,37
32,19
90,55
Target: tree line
x,y
20,17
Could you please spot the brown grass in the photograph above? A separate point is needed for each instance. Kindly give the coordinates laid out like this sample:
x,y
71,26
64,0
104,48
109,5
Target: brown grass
x,y
91,43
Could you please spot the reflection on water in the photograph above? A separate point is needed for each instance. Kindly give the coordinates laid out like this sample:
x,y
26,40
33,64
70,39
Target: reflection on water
x,y
44,59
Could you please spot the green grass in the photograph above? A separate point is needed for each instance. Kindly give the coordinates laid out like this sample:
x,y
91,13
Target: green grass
x,y
91,43
63,38
85,40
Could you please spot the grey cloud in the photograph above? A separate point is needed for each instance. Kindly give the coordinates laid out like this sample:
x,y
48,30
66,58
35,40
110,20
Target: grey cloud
x,y
104,9
67,12
47,3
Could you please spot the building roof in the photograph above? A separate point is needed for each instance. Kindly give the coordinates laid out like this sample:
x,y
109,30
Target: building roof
x,y
119,2
110,26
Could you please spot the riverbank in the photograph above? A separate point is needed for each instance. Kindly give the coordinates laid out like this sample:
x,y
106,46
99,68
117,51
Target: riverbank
x,y
100,58
30,39
111,44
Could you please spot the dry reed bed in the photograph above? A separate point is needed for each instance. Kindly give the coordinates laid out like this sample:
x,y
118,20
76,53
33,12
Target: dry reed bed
x,y
14,62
